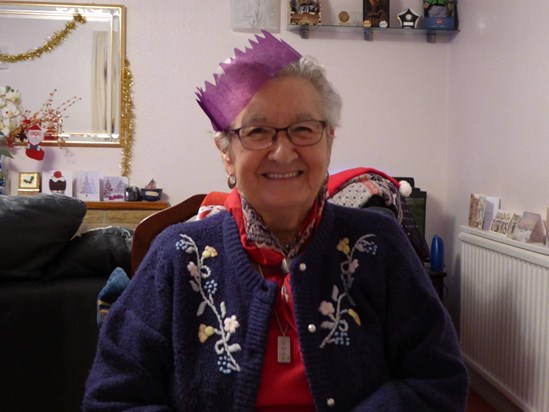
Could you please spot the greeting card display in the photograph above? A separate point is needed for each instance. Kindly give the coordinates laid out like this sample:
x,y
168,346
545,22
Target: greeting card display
x,y
512,225
482,209
500,222
114,188
57,181
530,229
87,186
547,222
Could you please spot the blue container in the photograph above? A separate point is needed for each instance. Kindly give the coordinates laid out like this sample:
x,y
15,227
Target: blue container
x,y
437,254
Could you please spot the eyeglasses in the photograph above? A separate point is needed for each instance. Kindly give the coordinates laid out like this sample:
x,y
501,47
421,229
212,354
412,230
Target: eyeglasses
x,y
306,133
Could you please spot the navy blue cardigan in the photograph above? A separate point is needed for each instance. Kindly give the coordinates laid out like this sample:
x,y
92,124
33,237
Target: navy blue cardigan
x,y
189,332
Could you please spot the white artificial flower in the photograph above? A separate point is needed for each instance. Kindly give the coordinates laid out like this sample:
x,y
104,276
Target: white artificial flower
x,y
13,96
10,110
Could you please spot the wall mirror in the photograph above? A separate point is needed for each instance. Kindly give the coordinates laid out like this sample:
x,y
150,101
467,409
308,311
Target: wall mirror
x,y
87,64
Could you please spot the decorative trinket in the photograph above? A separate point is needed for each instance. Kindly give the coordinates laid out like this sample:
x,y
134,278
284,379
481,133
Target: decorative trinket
x,y
408,19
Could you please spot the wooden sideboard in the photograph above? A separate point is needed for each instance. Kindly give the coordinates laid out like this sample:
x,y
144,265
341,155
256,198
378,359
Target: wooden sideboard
x,y
124,214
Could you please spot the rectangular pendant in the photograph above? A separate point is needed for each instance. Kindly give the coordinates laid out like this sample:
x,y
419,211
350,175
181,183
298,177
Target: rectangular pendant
x,y
283,348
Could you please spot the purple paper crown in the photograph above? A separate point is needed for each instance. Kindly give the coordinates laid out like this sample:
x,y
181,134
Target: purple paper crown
x,y
242,77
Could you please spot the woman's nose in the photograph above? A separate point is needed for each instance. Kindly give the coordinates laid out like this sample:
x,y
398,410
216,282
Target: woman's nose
x,y
283,148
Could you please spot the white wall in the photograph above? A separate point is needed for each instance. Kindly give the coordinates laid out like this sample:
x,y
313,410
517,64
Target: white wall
x,y
395,100
499,111
470,115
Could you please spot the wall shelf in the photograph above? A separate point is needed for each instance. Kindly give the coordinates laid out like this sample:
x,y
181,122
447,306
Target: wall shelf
x,y
369,34
123,214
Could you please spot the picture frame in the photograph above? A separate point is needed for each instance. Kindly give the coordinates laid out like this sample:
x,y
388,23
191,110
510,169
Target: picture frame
x,y
252,15
29,181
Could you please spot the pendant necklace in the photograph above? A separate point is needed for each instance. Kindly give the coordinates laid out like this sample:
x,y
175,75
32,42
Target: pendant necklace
x,y
283,343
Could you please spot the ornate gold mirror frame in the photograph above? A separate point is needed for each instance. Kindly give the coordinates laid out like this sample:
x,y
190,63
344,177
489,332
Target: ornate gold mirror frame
x,y
77,51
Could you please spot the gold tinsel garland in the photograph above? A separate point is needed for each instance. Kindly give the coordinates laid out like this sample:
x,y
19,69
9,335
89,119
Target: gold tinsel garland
x,y
53,41
127,116
126,122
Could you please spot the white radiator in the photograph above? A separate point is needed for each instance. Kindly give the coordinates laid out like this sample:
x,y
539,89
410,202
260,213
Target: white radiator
x,y
505,315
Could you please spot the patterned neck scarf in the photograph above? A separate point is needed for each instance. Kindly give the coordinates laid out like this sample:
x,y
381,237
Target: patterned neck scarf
x,y
259,241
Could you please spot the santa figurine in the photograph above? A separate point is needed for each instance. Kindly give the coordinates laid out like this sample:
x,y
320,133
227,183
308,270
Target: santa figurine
x,y
35,135
58,183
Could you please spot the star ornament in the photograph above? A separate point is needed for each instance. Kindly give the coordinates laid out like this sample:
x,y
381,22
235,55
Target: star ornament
x,y
408,19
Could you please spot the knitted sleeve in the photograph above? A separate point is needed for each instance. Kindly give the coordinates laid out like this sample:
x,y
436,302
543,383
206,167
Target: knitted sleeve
x,y
133,359
422,350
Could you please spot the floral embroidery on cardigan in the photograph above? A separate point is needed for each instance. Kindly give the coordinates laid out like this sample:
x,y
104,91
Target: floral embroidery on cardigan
x,y
334,310
226,325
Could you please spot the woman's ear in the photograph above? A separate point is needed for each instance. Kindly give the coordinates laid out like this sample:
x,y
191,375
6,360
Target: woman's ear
x,y
331,135
226,157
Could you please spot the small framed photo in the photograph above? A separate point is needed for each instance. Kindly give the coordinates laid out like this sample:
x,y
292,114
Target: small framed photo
x,y
29,181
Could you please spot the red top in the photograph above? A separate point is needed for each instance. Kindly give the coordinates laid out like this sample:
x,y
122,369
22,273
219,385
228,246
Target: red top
x,y
283,386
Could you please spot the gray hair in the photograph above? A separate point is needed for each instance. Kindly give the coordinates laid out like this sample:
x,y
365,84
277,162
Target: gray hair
x,y
310,69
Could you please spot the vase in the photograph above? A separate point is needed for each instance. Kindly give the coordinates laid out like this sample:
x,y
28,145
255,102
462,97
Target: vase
x,y
437,254
4,175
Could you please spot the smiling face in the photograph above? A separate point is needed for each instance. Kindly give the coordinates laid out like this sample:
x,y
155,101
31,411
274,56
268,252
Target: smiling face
x,y
281,182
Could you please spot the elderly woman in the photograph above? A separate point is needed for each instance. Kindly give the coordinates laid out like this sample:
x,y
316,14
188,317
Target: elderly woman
x,y
283,302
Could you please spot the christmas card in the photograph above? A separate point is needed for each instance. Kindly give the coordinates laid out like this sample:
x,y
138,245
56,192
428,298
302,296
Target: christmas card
x,y
482,209
513,225
87,187
57,181
500,221
530,229
114,188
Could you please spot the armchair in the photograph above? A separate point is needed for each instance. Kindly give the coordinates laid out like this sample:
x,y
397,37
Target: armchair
x,y
49,281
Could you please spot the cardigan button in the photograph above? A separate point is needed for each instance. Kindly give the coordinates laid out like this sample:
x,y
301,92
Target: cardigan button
x,y
330,402
302,267
311,328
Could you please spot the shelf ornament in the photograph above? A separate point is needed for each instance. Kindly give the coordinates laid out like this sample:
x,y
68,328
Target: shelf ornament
x,y
440,14
305,12
44,125
408,19
375,13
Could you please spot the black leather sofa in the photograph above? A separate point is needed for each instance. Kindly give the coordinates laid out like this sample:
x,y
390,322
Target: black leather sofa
x,y
49,282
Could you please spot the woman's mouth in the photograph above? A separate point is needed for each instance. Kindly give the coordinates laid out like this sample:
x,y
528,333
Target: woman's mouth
x,y
288,175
